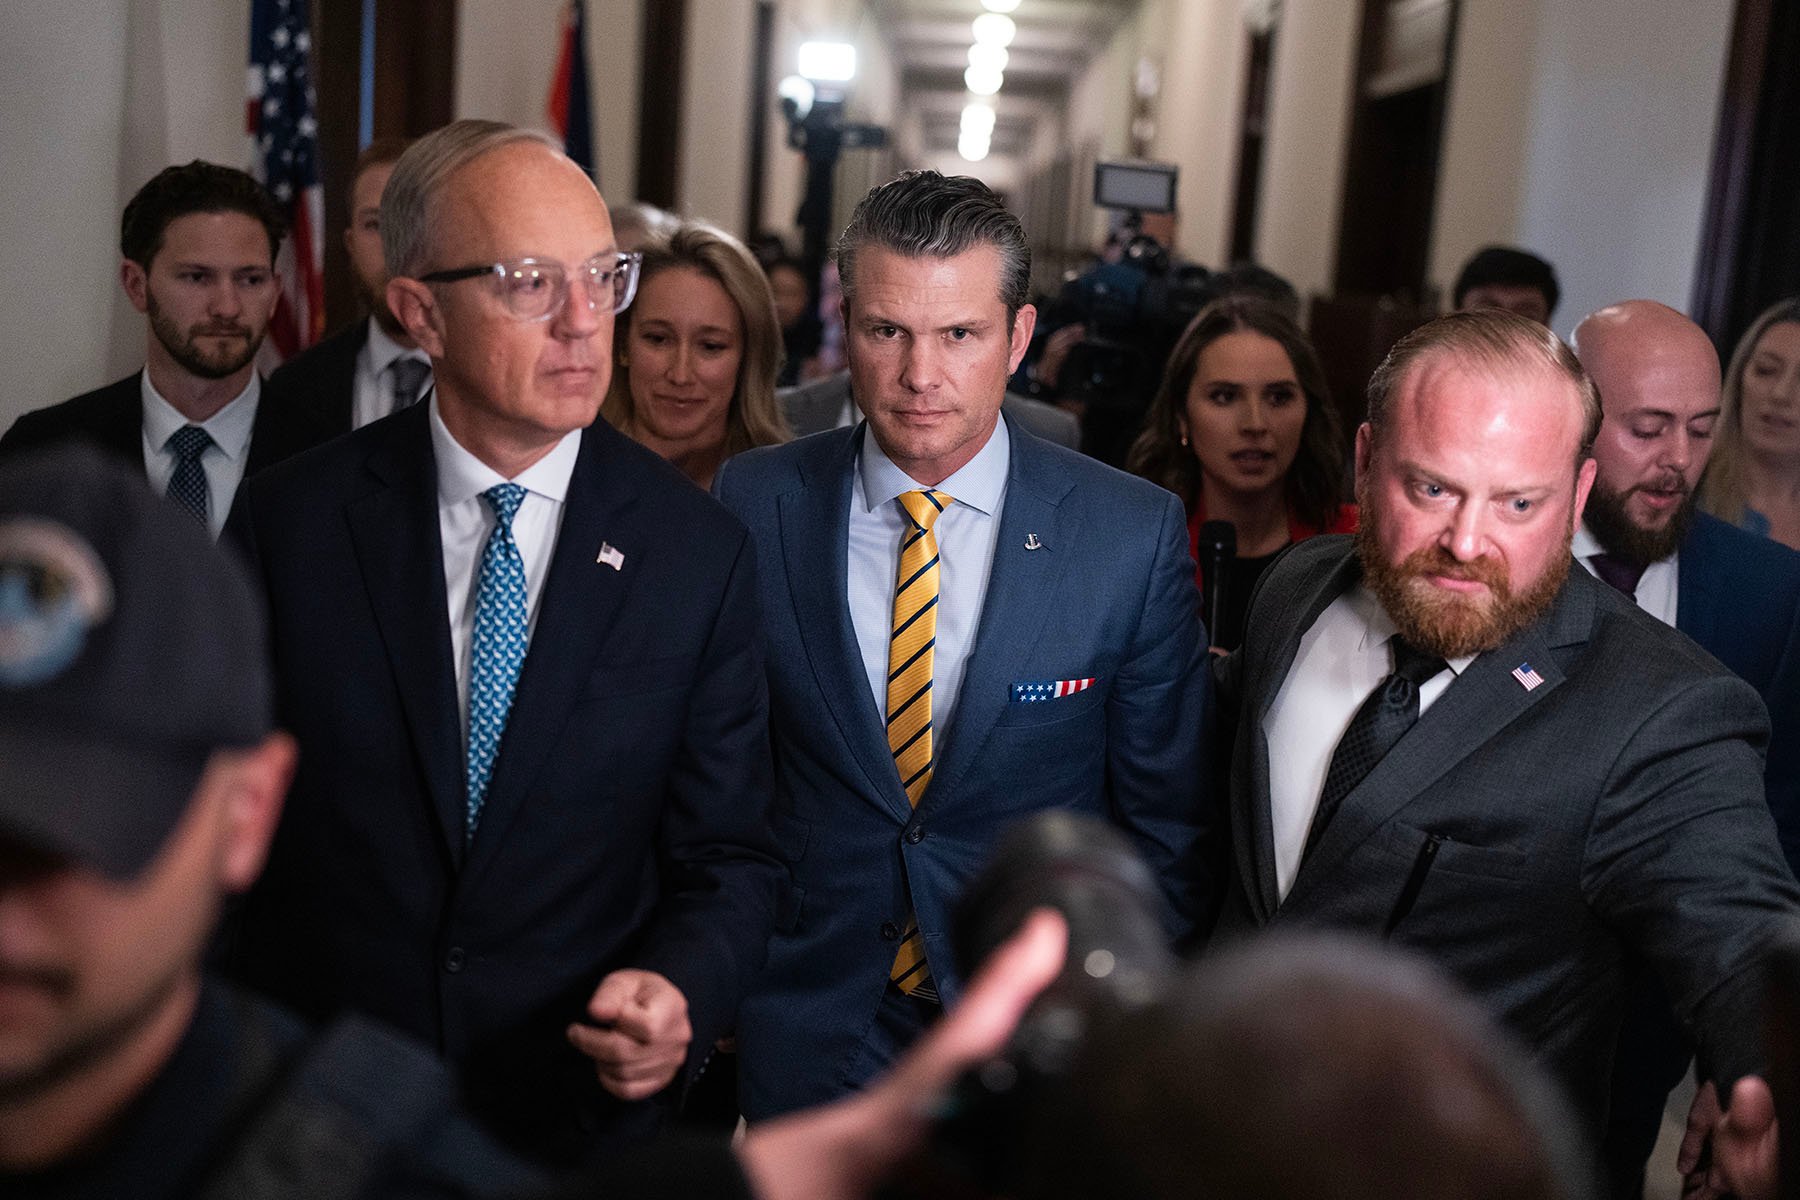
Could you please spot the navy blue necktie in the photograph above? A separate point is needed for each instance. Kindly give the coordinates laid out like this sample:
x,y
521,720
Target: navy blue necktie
x,y
498,649
187,486
410,376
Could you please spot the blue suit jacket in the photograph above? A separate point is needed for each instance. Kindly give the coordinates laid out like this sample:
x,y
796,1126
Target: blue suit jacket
x,y
1109,593
1738,595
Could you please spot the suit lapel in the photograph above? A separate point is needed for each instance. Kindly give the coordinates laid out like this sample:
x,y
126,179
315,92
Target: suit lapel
x,y
815,546
399,547
582,599
1473,710
1696,607
119,423
1250,788
1020,585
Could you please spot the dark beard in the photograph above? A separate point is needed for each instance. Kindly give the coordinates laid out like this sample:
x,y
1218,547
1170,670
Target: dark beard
x,y
377,306
1618,534
1447,625
186,351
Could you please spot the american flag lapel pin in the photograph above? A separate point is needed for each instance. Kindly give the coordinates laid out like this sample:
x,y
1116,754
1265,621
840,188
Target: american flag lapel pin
x,y
610,556
1528,678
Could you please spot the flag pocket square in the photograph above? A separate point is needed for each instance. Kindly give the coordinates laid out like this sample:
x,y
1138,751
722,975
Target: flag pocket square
x,y
1049,689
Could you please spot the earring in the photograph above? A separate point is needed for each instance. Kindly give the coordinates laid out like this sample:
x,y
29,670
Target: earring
x,y
1184,440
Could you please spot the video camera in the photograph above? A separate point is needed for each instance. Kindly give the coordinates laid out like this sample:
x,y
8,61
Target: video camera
x,y
1118,961
1133,309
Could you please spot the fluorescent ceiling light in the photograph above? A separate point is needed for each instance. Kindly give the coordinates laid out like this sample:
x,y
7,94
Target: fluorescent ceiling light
x,y
828,62
987,58
982,83
993,29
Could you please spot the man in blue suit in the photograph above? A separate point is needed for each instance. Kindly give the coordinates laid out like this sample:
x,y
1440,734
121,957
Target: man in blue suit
x,y
1737,595
965,625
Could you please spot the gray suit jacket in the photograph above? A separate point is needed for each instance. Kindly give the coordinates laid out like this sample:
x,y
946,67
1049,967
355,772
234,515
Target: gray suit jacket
x,y
815,407
1528,837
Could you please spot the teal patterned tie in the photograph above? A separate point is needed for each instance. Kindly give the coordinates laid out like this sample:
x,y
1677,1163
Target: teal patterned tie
x,y
499,644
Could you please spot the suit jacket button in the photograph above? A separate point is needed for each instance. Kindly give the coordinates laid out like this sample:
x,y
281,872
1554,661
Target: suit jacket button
x,y
915,835
453,959
890,932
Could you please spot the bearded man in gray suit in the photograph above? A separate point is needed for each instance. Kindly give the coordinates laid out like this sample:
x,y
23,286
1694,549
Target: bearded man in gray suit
x,y
1445,736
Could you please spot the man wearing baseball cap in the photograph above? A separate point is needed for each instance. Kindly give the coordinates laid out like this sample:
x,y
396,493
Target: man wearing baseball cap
x,y
140,782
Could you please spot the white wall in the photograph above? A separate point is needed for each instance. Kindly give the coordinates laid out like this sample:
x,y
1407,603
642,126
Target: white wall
x,y
1303,156
95,97
506,53
1198,47
1604,169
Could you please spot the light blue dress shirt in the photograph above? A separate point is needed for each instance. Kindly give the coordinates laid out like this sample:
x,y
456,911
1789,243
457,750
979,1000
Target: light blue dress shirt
x,y
966,534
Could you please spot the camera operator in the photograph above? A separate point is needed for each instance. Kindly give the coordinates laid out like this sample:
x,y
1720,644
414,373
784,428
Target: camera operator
x,y
1108,332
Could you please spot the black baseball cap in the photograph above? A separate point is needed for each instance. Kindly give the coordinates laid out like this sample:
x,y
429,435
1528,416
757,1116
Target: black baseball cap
x,y
131,648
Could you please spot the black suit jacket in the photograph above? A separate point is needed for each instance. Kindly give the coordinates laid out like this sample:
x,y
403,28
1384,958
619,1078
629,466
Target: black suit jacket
x,y
626,820
112,418
1614,807
321,380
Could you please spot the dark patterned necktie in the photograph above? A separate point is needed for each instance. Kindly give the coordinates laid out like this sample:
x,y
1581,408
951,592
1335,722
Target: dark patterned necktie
x,y
187,486
410,376
1622,573
1391,709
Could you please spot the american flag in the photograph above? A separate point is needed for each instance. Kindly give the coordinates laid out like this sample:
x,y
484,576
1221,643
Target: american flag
x,y
567,106
1049,689
284,141
1526,676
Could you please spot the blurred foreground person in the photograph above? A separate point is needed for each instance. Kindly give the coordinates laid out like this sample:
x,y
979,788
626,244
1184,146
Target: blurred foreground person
x,y
1754,478
1306,1067
140,781
695,355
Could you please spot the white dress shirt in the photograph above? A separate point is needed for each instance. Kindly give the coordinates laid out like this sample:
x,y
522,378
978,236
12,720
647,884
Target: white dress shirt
x,y
966,532
1657,589
465,521
1339,662
223,461
373,396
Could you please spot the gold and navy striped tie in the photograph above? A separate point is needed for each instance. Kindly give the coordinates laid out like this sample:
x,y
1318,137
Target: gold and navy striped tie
x,y
909,690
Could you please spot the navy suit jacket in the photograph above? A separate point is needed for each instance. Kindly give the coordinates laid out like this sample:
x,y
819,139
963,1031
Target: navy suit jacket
x,y
1738,595
626,820
321,380
1108,593
112,418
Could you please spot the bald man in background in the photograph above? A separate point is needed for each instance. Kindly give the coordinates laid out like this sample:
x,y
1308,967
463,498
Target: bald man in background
x,y
1737,595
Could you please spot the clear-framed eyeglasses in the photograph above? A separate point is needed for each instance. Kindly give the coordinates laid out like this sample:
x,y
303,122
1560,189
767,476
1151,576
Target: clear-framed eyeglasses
x,y
534,289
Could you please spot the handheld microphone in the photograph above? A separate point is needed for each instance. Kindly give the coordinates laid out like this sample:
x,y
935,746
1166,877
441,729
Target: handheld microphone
x,y
1218,546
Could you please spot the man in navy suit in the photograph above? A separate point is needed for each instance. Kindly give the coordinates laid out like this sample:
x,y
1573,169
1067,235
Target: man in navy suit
x,y
1735,594
966,625
197,246
520,655
371,367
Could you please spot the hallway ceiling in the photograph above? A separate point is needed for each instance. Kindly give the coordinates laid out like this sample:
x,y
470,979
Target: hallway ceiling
x,y
930,40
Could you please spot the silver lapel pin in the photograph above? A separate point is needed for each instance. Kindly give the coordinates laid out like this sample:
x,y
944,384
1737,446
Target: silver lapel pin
x,y
1032,543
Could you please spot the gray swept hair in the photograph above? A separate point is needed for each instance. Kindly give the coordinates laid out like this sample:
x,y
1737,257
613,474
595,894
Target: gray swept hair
x,y
413,190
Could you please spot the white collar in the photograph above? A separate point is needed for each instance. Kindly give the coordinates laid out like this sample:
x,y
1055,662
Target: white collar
x,y
229,428
461,476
